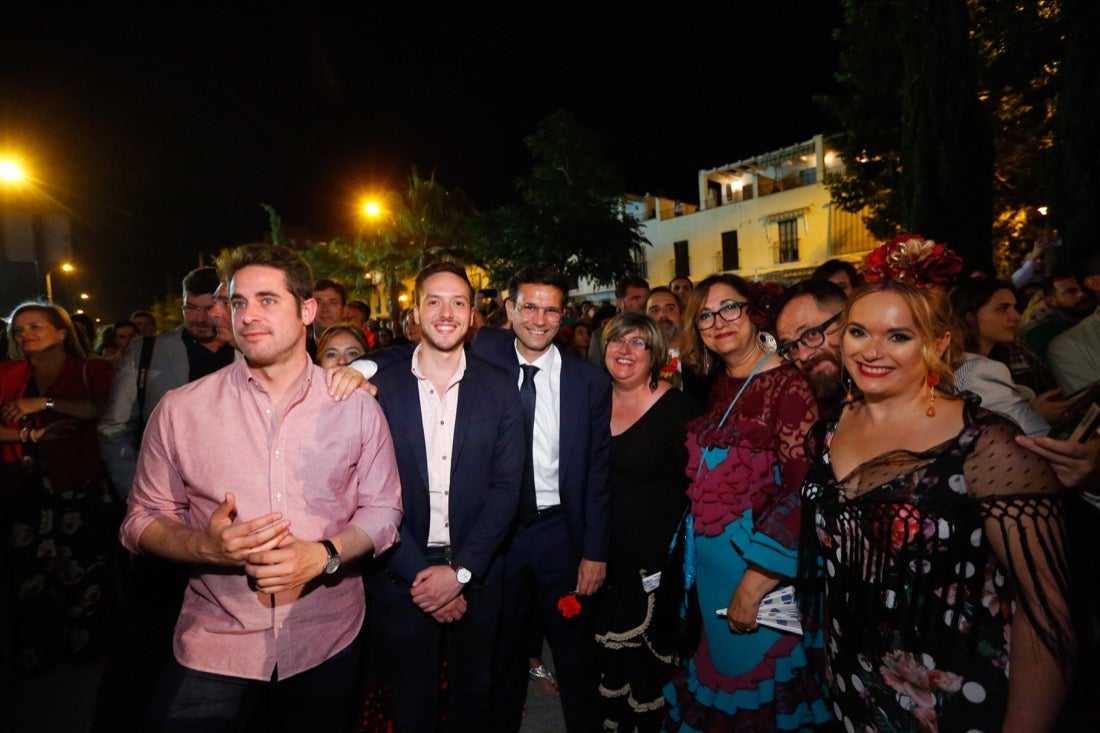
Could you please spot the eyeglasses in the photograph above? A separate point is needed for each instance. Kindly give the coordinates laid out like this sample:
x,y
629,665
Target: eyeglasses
x,y
638,344
196,309
730,310
527,311
811,338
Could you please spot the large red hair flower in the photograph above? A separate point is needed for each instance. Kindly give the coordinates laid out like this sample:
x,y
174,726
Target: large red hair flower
x,y
912,258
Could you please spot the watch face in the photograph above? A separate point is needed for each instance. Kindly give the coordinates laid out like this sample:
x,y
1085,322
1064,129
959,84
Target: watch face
x,y
464,575
332,565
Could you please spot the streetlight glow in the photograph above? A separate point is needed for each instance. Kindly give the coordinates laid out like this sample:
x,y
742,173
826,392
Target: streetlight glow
x,y
11,171
372,209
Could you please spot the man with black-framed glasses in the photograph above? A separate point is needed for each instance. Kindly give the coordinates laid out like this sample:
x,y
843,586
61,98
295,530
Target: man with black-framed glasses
x,y
808,328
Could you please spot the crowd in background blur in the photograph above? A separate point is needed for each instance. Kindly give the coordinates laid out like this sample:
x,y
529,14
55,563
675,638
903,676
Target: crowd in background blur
x,y
909,448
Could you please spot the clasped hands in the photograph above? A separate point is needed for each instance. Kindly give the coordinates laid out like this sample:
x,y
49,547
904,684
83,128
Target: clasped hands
x,y
274,558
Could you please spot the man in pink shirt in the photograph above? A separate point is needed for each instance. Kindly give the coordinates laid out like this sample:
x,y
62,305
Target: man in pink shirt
x,y
268,489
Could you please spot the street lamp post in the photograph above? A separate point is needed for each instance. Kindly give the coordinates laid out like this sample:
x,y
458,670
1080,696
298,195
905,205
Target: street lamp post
x,y
66,267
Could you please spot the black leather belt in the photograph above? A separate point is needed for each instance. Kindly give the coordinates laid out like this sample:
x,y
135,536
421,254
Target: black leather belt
x,y
548,513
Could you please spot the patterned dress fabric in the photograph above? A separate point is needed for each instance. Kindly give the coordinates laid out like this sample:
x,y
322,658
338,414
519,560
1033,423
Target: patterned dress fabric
x,y
59,522
925,558
745,507
647,500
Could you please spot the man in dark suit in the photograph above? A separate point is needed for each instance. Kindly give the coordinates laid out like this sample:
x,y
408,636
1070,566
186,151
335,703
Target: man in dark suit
x,y
458,424
560,542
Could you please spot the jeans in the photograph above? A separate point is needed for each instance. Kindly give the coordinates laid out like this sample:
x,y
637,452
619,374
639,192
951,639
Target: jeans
x,y
319,699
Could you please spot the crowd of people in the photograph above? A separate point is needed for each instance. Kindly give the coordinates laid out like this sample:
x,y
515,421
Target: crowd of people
x,y
856,502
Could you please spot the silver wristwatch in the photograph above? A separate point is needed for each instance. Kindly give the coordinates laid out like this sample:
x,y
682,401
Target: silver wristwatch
x,y
333,562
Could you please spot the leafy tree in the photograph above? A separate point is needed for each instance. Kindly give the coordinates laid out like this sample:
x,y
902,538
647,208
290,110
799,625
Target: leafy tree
x,y
1075,170
423,224
570,213
946,108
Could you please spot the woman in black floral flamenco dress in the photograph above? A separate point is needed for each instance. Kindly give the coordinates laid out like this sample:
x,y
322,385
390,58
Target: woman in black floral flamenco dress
x,y
938,541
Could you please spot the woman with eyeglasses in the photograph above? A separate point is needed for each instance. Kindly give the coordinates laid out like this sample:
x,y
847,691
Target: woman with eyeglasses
x,y
647,483
746,464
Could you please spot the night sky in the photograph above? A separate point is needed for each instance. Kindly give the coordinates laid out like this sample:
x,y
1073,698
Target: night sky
x,y
163,131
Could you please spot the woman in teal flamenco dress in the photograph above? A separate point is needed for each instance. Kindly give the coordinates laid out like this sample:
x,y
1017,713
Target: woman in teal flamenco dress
x,y
746,463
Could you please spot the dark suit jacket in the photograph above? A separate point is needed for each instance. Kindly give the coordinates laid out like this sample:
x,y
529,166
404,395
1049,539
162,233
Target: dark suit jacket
x,y
486,471
585,433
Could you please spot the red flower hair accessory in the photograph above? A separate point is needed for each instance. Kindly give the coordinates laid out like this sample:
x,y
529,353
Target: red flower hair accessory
x,y
569,606
763,297
914,259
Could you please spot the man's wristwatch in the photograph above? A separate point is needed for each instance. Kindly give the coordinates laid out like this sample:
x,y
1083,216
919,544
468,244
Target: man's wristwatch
x,y
463,575
333,562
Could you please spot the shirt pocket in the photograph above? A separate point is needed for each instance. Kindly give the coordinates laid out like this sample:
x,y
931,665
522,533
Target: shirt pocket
x,y
327,476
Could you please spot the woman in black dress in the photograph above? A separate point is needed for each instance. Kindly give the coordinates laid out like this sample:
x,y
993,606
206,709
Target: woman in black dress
x,y
648,481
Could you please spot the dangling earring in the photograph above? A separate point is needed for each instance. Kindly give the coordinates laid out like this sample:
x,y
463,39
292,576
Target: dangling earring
x,y
706,361
849,398
933,379
767,342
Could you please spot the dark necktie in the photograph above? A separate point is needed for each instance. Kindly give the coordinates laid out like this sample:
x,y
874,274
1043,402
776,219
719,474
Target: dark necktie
x,y
528,507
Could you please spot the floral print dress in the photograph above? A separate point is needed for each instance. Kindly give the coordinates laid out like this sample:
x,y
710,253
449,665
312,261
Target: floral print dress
x,y
924,559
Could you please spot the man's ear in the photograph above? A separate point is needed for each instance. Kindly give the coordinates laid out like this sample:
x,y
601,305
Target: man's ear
x,y
309,310
1092,282
416,314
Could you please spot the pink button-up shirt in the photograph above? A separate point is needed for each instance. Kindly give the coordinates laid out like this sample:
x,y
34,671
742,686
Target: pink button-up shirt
x,y
438,414
325,465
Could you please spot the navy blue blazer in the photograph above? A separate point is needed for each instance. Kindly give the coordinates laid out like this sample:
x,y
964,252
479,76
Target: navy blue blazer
x,y
585,432
486,471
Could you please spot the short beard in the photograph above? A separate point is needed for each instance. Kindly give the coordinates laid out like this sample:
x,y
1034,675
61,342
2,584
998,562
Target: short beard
x,y
828,387
670,331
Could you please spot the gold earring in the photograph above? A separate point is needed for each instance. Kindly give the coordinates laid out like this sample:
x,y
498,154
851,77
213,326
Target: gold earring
x,y
933,379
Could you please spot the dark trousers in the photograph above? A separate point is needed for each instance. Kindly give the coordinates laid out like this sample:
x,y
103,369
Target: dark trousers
x,y
321,699
540,566
152,592
406,646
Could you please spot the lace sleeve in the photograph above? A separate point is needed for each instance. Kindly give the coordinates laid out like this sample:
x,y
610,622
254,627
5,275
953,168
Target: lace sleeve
x,y
1023,511
778,511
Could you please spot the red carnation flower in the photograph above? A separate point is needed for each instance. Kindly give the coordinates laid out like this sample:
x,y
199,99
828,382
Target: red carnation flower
x,y
569,606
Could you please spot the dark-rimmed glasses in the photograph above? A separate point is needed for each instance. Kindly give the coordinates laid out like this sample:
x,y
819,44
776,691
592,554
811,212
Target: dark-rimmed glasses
x,y
730,310
811,338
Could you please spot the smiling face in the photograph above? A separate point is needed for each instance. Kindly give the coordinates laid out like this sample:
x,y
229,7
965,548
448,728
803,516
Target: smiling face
x,y
444,313
34,334
996,321
339,350
268,324
726,338
629,363
882,347
535,313
821,365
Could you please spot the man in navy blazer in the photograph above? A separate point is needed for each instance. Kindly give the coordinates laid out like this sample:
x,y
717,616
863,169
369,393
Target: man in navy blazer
x,y
457,428
560,541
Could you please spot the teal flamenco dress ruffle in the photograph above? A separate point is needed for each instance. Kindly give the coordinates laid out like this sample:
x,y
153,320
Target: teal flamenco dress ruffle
x,y
761,681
